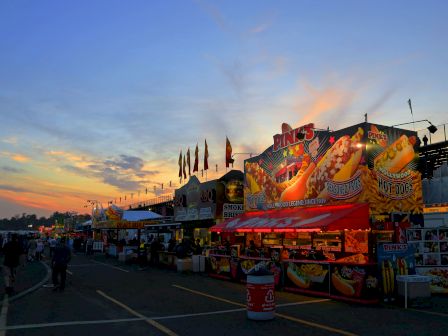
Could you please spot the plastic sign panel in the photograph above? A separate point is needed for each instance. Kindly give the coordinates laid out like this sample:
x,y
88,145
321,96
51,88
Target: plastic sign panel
x,y
364,163
195,200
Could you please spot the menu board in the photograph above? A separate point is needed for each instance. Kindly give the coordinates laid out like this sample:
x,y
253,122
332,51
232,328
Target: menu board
x,y
431,246
364,163
356,241
431,255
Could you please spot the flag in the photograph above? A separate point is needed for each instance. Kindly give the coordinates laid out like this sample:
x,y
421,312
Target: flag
x,y
183,169
188,161
410,106
180,164
229,159
196,159
206,156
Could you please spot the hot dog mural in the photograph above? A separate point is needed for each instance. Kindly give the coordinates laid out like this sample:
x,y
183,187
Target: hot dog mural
x,y
364,163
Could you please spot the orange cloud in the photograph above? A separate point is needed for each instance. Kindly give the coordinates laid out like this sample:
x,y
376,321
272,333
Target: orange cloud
x,y
16,156
321,105
20,158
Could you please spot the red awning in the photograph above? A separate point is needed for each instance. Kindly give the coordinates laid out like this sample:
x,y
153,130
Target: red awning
x,y
325,218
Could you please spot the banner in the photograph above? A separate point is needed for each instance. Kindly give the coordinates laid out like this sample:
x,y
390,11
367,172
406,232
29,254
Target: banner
x,y
364,163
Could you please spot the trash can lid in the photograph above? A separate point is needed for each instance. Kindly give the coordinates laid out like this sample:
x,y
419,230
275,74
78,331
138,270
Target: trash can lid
x,y
413,278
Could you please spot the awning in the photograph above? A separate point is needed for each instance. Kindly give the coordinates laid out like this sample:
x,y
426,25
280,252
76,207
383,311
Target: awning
x,y
321,218
140,215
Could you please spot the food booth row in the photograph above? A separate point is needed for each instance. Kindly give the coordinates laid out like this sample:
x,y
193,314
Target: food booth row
x,y
319,211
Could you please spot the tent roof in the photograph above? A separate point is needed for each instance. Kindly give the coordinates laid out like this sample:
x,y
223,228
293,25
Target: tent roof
x,y
132,216
325,218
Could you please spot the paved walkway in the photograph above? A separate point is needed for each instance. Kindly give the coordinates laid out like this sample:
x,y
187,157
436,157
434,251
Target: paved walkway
x,y
33,273
28,275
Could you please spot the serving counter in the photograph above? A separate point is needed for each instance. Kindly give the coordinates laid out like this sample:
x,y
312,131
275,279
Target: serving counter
x,y
357,282
347,281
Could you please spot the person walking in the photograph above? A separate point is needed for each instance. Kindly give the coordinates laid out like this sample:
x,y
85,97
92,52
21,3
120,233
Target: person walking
x,y
32,246
12,251
89,246
52,243
61,258
39,249
154,249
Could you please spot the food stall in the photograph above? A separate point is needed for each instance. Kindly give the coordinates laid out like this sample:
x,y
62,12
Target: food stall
x,y
317,250
113,228
198,206
316,202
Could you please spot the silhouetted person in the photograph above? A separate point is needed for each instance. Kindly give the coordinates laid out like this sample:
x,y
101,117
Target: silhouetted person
x,y
425,140
12,251
61,258
154,249
197,247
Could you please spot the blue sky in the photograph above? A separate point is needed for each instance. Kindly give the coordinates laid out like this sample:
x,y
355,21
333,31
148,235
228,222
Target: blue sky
x,y
97,98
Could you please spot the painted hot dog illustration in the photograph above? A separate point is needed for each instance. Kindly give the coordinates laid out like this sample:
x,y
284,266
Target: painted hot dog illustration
x,y
339,163
397,155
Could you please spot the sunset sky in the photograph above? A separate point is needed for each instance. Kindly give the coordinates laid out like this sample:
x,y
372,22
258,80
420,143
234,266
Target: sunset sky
x,y
98,97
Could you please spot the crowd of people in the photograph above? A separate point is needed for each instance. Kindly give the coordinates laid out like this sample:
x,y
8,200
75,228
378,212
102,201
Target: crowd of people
x,y
17,250
153,246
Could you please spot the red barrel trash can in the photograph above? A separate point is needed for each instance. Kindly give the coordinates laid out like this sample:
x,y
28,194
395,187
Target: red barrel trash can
x,y
260,295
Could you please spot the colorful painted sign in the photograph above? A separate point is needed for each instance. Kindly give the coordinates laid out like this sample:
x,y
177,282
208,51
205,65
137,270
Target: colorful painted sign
x,y
195,200
230,195
439,278
365,163
394,259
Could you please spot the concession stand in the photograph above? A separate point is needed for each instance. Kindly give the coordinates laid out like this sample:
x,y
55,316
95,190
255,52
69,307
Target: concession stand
x,y
117,229
198,206
318,204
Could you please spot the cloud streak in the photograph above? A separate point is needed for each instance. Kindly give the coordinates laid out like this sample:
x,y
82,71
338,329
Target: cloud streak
x,y
123,172
12,170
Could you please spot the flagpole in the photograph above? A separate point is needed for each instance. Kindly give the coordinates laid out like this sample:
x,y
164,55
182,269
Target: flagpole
x,y
410,106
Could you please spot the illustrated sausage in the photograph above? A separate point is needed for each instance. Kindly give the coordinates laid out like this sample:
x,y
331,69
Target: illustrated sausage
x,y
297,190
342,285
396,156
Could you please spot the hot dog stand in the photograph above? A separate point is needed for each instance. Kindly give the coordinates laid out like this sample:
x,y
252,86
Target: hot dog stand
x,y
313,202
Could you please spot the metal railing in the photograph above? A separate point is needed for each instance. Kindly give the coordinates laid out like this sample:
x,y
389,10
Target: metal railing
x,y
149,202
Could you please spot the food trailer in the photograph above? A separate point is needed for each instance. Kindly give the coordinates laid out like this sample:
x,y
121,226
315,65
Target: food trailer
x,y
317,224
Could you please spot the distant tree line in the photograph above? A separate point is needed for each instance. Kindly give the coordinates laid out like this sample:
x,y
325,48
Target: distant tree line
x,y
32,222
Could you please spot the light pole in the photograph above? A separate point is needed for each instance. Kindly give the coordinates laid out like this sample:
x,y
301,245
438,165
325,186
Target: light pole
x,y
431,128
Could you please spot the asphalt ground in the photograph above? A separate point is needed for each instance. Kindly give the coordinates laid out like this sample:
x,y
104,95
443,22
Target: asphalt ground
x,y
107,297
